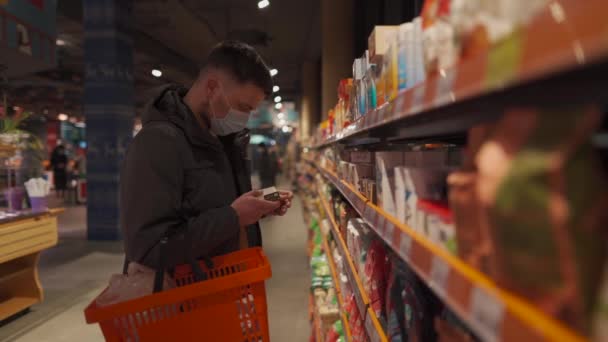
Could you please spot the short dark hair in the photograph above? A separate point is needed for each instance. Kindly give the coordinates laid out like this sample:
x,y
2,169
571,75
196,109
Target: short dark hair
x,y
242,62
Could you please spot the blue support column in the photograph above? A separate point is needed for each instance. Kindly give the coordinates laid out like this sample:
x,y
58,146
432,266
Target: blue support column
x,y
108,108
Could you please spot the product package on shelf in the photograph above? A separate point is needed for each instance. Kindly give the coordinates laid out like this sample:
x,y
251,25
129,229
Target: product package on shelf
x,y
435,220
410,307
386,161
376,269
542,192
358,240
449,328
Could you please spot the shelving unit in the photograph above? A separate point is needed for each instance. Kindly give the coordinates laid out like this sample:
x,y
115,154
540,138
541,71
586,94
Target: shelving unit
x,y
334,275
372,324
493,313
558,58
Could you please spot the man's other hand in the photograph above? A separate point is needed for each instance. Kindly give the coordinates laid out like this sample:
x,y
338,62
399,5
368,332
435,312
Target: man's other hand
x,y
251,207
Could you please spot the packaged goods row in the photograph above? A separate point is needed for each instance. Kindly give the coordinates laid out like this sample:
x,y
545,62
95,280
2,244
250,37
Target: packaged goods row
x,y
522,202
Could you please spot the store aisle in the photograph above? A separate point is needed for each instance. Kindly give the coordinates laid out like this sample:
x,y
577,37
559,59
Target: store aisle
x,y
289,287
77,270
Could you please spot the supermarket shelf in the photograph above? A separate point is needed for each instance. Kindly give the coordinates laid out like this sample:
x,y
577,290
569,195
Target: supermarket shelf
x,y
559,58
373,328
493,313
334,275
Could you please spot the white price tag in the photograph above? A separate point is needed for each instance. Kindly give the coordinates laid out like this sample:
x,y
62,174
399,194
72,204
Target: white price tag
x,y
371,331
389,228
398,107
380,224
368,215
418,98
445,86
439,274
359,204
382,114
487,313
405,247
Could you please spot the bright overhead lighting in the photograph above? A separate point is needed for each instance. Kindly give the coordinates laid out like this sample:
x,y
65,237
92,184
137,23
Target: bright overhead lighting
x,y
277,99
156,73
263,4
286,129
278,106
275,89
62,117
281,115
274,72
60,42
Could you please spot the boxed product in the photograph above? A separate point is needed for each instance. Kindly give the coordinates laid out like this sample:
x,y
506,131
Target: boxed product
x,y
430,183
343,169
472,235
376,266
405,55
346,213
410,306
369,189
359,238
391,63
377,41
358,172
361,157
439,225
544,191
450,328
386,161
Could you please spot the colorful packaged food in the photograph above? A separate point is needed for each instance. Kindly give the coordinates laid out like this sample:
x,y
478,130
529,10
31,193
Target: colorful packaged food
x,y
376,267
472,234
543,189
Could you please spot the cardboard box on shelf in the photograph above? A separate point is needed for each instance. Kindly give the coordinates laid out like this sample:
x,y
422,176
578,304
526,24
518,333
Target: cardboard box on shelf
x,y
359,172
377,41
361,157
386,162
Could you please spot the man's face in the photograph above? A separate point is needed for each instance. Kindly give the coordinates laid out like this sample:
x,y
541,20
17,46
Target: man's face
x,y
226,94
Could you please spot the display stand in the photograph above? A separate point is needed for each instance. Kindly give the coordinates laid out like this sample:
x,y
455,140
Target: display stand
x,y
22,239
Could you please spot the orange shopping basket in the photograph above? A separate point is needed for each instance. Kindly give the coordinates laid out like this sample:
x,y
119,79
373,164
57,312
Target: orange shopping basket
x,y
229,306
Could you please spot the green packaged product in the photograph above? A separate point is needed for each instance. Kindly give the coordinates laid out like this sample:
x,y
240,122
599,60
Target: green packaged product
x,y
544,197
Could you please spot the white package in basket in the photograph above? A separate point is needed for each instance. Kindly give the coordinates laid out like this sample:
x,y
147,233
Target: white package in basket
x,y
138,282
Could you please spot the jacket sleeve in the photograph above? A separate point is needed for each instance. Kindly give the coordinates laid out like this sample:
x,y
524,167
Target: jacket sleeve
x,y
151,192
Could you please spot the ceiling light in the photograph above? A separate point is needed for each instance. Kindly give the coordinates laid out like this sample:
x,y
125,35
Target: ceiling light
x,y
81,124
277,99
278,105
60,42
263,4
157,73
274,72
281,115
62,117
285,129
275,89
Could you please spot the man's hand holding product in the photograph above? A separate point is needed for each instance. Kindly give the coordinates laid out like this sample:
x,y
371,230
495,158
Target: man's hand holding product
x,y
256,204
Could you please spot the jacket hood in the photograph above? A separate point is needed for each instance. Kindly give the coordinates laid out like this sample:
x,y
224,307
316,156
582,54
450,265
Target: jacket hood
x,y
168,105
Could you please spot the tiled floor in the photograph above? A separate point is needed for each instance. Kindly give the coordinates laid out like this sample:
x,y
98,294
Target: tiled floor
x,y
76,270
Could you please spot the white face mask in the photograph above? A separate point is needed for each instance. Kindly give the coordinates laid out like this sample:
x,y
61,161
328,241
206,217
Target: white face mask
x,y
234,120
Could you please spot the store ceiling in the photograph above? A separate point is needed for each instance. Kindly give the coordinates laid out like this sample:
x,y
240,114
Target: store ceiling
x,y
175,35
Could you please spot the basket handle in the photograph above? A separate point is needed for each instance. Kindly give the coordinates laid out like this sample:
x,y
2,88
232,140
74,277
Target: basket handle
x,y
198,273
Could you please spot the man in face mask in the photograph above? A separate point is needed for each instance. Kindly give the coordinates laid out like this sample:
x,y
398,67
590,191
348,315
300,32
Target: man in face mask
x,y
186,176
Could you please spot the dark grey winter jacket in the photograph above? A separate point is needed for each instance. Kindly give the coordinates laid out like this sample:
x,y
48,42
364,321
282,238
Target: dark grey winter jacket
x,y
179,180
